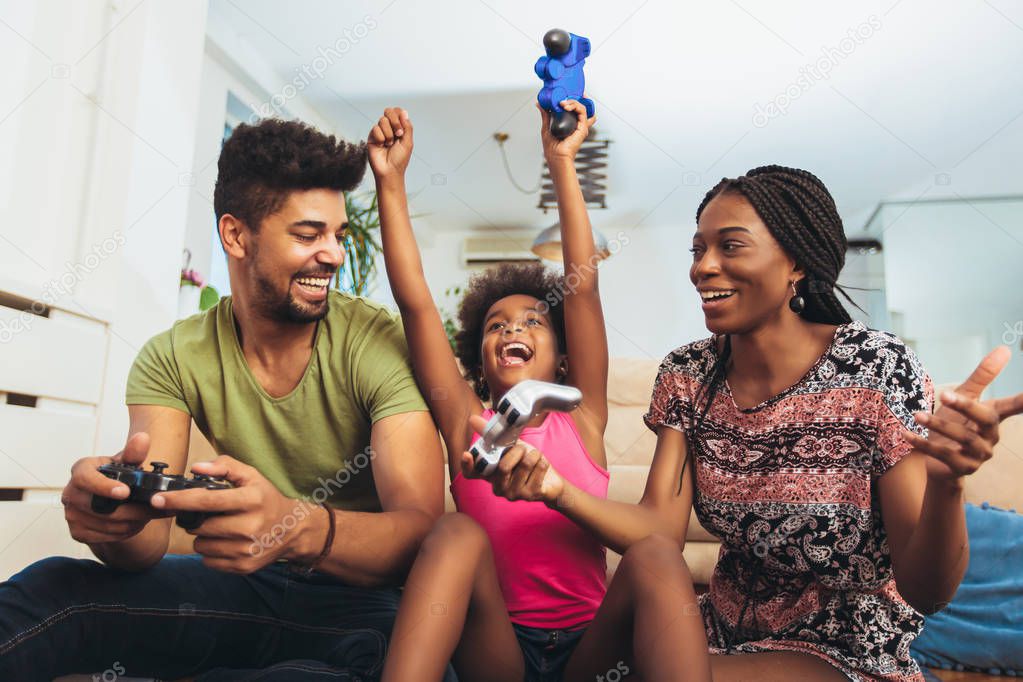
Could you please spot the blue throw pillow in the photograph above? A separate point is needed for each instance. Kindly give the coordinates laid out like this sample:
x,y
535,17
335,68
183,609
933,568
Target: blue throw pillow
x,y
982,629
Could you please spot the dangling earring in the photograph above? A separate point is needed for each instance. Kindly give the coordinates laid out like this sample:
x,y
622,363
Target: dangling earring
x,y
796,303
484,389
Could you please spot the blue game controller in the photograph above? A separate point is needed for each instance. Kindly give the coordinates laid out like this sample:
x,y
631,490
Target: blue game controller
x,y
562,74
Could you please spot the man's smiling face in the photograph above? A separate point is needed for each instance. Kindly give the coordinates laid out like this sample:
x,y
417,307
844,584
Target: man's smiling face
x,y
295,254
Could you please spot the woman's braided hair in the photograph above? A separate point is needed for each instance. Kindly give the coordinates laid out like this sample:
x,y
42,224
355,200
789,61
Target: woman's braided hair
x,y
801,215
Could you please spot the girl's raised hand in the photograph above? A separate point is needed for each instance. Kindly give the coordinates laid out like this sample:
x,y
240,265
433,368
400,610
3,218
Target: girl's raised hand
x,y
390,143
553,148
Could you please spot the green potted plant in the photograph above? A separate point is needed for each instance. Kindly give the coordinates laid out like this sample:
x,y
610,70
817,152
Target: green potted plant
x,y
450,318
361,244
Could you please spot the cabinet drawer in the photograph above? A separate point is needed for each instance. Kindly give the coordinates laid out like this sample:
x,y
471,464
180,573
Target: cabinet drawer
x,y
39,444
61,356
33,529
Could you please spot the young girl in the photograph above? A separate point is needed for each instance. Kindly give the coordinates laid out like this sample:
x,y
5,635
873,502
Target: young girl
x,y
796,434
505,588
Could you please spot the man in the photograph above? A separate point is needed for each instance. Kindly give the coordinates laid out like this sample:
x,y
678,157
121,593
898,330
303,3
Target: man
x,y
309,395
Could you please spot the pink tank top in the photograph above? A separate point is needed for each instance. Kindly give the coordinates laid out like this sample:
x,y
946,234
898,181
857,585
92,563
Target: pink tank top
x,y
552,572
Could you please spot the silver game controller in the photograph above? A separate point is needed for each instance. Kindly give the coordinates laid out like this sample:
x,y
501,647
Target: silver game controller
x,y
524,401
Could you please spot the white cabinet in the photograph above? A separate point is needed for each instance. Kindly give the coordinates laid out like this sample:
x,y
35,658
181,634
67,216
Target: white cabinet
x,y
50,389
96,151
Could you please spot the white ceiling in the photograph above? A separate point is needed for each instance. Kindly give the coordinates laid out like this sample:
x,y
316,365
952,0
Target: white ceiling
x,y
931,102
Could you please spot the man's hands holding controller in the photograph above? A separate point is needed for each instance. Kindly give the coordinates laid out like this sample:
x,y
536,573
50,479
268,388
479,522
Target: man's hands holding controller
x,y
127,520
523,473
255,524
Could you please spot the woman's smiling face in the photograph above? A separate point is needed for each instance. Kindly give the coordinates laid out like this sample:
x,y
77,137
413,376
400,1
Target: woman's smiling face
x,y
739,269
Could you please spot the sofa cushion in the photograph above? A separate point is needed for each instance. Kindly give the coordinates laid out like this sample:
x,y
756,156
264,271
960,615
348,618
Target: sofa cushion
x,y
998,481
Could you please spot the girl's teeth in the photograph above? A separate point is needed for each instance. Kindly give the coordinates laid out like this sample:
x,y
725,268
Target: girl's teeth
x,y
515,359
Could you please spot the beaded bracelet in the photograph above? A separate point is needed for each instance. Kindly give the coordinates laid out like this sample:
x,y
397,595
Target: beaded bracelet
x,y
328,543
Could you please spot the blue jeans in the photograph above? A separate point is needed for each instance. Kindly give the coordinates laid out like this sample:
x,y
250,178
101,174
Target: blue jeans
x,y
180,618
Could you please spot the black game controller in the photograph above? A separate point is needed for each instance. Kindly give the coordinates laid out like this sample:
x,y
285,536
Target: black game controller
x,y
145,484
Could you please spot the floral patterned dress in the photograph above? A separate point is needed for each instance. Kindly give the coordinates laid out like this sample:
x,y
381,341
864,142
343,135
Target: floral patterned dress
x,y
789,487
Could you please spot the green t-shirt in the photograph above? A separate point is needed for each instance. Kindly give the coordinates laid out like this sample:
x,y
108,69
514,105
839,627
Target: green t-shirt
x,y
313,442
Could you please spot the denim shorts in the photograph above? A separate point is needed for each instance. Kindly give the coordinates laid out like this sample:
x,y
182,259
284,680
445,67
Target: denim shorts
x,y
546,652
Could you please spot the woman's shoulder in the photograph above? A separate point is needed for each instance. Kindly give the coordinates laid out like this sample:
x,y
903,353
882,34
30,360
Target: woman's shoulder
x,y
878,359
695,359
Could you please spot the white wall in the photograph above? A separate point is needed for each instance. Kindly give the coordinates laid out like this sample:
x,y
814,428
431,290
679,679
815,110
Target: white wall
x,y
165,62
51,169
100,116
649,303
101,126
953,272
230,64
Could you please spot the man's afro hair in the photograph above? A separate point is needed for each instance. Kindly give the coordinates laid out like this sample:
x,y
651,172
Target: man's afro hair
x,y
261,164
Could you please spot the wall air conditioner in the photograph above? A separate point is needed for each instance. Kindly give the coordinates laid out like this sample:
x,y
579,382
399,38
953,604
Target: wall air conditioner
x,y
480,251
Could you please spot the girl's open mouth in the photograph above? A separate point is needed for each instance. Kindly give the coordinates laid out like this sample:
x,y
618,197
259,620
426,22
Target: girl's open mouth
x,y
514,354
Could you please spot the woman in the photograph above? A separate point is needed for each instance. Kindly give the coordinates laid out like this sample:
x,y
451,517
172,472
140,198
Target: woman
x,y
789,430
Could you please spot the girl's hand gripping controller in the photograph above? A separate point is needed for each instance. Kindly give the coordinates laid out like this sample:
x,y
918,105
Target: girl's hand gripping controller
x,y
524,401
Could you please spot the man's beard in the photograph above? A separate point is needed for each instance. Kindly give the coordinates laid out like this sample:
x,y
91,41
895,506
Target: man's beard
x,y
281,306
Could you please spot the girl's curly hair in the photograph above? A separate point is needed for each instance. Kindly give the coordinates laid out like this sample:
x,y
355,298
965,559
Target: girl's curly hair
x,y
261,164
488,287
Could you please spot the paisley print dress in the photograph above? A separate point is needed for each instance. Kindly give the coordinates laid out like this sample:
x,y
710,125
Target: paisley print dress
x,y
790,488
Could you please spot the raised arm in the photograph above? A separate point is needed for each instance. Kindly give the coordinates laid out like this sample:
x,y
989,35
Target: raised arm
x,y
584,318
451,399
